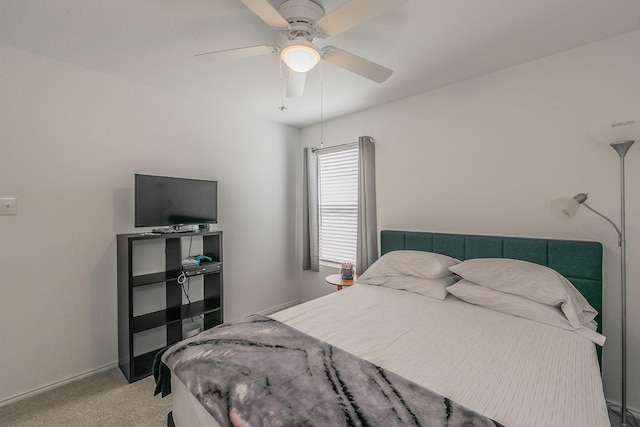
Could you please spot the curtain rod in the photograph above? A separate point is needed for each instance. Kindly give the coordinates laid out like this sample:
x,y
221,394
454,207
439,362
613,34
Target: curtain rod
x,y
333,146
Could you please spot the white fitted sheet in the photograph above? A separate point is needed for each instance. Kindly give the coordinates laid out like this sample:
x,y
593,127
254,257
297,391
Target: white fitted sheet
x,y
515,371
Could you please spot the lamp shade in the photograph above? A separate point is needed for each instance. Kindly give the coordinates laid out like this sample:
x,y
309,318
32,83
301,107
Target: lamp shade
x,y
300,57
565,207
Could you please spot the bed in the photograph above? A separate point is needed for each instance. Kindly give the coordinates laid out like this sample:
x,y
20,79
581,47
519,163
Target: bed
x,y
502,367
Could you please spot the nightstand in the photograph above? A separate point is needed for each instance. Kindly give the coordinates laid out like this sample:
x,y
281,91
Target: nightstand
x,y
336,280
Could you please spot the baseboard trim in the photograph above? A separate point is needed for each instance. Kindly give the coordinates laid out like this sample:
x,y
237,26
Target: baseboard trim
x,y
91,372
56,384
281,307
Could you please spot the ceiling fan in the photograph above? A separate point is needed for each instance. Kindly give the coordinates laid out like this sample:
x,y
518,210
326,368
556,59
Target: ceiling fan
x,y
300,22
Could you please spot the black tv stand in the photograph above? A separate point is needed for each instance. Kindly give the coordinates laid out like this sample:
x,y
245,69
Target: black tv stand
x,y
134,360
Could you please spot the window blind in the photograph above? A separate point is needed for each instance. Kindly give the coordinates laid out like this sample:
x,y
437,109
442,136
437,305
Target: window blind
x,y
338,205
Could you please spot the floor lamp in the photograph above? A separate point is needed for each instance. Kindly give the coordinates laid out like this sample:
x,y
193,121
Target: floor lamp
x,y
568,207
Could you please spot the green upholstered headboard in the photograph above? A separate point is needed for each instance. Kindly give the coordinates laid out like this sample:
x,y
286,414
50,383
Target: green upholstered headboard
x,y
578,261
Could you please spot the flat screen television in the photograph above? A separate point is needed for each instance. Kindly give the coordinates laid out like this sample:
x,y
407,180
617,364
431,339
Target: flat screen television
x,y
162,201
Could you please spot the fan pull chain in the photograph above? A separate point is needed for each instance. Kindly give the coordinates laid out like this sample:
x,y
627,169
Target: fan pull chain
x,y
282,106
321,105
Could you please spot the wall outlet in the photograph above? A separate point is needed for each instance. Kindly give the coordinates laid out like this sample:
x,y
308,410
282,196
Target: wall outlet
x,y
8,206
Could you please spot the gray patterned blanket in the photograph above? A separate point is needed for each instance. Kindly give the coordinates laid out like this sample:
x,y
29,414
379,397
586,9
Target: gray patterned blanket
x,y
261,372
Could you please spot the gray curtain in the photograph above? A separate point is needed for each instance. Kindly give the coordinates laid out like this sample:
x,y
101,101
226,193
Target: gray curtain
x,y
310,225
367,251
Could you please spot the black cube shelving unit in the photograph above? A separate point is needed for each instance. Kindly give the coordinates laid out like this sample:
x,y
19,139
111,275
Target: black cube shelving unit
x,y
135,367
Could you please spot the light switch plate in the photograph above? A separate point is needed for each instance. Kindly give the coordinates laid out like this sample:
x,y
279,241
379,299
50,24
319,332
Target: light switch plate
x,y
8,206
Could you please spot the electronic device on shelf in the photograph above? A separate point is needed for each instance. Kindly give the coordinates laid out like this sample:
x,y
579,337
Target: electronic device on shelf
x,y
175,205
191,228
202,268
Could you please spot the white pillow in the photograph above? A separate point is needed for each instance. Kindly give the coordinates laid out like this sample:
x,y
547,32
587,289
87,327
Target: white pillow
x,y
426,265
532,281
521,307
433,288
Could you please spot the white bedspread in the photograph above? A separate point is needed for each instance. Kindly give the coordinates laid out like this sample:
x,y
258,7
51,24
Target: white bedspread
x,y
515,371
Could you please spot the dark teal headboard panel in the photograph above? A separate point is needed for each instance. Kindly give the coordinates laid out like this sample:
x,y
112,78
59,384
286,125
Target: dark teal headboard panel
x,y
578,261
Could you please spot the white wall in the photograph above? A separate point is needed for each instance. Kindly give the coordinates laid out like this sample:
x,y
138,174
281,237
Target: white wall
x,y
487,155
70,142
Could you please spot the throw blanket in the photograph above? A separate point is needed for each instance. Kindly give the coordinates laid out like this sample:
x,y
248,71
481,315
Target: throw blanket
x,y
261,372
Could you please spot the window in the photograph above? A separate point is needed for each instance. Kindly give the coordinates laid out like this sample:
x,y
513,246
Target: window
x,y
338,205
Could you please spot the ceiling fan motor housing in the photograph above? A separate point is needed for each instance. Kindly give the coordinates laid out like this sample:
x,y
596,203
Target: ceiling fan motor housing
x,y
300,22
301,15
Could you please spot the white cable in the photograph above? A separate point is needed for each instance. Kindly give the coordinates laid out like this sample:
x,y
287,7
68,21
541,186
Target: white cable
x,y
182,278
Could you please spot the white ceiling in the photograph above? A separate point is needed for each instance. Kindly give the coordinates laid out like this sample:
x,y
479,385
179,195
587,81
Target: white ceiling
x,y
428,43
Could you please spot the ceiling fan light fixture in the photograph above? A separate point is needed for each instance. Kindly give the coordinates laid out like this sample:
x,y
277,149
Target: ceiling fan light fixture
x,y
300,57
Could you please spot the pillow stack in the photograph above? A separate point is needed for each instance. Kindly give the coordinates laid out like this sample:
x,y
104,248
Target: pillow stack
x,y
527,290
424,273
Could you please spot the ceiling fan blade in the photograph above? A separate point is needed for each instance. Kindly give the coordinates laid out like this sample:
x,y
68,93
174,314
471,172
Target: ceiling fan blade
x,y
354,13
241,52
295,84
267,13
356,64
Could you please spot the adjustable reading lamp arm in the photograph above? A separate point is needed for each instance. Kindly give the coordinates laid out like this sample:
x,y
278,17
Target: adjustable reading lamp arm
x,y
606,219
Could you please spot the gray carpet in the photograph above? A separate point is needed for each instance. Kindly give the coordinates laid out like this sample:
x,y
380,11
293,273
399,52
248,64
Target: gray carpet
x,y
104,399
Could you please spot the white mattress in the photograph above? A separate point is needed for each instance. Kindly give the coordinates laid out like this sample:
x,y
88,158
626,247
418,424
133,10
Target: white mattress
x,y
515,371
